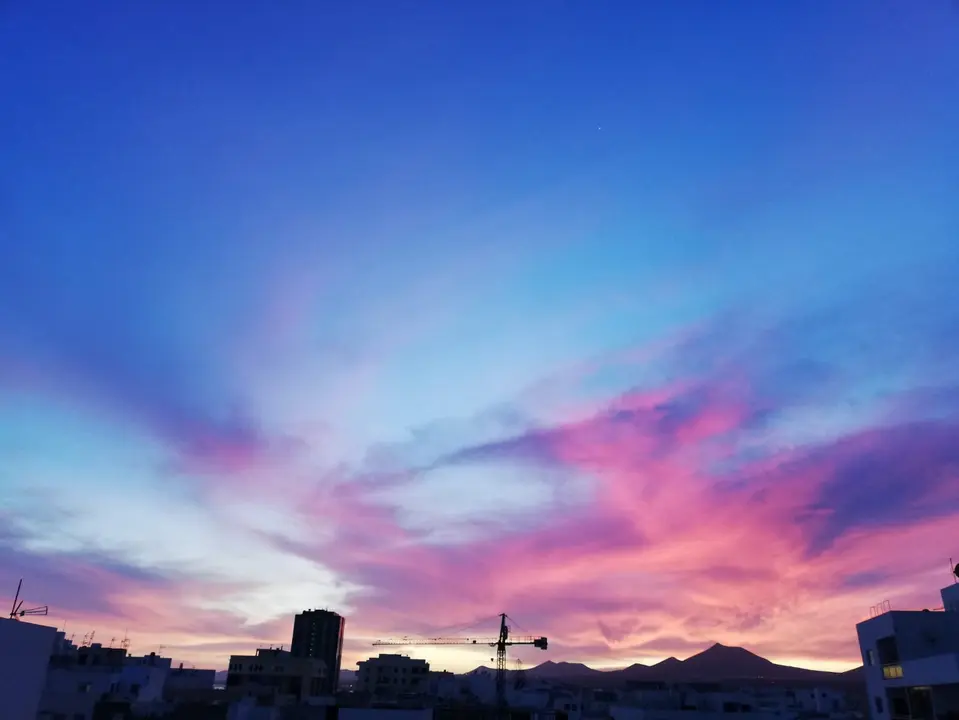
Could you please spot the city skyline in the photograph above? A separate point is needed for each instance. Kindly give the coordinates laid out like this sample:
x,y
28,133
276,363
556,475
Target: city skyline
x,y
640,324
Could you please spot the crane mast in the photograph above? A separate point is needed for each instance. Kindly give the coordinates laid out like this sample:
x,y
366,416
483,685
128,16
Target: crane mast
x,y
501,642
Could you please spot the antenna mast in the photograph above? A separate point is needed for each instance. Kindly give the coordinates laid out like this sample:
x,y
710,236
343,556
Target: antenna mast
x,y
18,611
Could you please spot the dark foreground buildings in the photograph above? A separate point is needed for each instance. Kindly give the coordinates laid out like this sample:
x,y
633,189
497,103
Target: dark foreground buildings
x,y
319,634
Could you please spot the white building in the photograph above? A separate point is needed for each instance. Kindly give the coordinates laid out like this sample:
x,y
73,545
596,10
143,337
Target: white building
x,y
911,661
78,679
142,679
393,675
24,654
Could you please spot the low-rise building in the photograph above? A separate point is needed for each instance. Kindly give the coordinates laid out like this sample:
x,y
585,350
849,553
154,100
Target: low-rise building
x,y
390,675
180,681
911,661
142,679
77,679
278,674
24,655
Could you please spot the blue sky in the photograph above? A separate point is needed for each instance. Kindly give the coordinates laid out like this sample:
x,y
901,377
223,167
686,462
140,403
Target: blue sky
x,y
265,270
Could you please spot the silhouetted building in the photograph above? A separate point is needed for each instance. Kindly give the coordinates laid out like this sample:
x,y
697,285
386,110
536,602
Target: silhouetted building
x,y
392,675
319,634
275,674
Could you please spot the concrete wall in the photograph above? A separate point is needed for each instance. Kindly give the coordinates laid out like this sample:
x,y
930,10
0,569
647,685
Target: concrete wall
x,y
24,654
950,597
936,670
142,683
190,679
869,631
74,691
924,634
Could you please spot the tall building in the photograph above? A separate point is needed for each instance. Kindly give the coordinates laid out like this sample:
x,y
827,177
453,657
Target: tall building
x,y
319,634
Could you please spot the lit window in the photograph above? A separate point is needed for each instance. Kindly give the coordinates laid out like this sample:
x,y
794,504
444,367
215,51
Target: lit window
x,y
891,672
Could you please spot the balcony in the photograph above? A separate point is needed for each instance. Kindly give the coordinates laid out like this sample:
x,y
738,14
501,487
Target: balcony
x,y
933,670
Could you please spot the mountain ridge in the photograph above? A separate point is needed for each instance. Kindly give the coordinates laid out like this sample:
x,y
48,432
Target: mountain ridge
x,y
715,663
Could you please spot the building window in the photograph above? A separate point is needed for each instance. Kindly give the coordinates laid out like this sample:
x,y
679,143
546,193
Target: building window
x,y
891,672
888,650
870,657
83,687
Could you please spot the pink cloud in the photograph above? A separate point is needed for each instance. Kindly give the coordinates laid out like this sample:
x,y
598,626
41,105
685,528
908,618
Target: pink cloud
x,y
681,539
669,553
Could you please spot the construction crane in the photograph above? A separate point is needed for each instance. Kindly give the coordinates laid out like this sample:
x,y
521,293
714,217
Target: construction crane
x,y
504,640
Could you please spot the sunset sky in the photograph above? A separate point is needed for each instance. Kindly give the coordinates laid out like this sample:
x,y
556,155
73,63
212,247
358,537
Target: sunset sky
x,y
636,321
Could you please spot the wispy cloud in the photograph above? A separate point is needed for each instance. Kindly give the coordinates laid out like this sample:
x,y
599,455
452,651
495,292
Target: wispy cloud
x,y
685,533
96,592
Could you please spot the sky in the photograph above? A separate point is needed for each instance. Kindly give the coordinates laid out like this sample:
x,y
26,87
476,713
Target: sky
x,y
636,321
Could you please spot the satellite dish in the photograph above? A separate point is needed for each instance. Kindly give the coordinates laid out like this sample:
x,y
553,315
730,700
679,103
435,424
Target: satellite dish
x,y
955,570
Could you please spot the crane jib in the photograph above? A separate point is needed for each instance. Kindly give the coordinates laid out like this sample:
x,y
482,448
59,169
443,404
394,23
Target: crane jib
x,y
504,640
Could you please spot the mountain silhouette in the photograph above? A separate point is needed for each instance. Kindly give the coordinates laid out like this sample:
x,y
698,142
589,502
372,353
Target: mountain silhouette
x,y
731,662
718,662
636,671
561,670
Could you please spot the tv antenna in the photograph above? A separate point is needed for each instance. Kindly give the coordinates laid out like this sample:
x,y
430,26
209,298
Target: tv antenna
x,y
18,611
519,677
125,643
